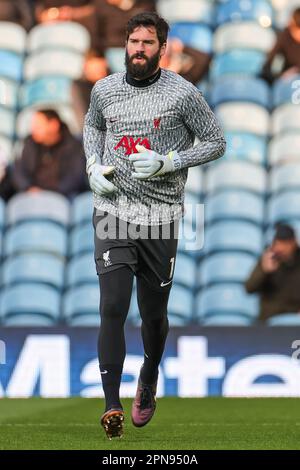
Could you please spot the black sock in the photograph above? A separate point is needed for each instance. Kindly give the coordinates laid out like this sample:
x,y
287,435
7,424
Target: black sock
x,y
111,379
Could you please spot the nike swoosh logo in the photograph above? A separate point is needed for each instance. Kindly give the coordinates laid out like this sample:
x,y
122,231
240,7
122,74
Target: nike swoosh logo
x,y
163,284
104,372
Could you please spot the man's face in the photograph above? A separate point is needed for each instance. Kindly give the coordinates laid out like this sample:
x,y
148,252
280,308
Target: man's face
x,y
43,130
284,249
143,52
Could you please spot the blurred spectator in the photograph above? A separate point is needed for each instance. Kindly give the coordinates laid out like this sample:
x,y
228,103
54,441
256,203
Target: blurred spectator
x,y
94,68
288,46
16,11
112,17
276,276
188,62
6,187
52,159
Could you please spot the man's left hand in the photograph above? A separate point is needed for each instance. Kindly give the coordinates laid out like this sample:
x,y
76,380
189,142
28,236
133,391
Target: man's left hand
x,y
148,163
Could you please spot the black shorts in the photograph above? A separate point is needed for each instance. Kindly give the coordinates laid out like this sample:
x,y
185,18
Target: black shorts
x,y
150,251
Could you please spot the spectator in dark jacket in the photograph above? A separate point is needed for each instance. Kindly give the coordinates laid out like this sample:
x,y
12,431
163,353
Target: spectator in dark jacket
x,y
288,47
276,276
52,159
16,11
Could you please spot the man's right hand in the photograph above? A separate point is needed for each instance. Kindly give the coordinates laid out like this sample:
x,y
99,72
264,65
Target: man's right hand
x,y
269,263
98,183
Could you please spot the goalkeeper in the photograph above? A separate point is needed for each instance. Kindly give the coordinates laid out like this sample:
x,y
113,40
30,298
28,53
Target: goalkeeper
x,y
138,136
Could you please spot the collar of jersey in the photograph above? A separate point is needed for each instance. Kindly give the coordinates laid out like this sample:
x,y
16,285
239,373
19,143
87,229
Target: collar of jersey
x,y
143,83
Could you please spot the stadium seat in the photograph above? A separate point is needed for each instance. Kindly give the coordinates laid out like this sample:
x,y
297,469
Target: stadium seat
x,y
194,183
82,208
233,236
86,320
81,239
229,89
191,236
245,10
243,35
7,122
181,302
11,65
226,320
285,118
284,207
226,299
61,35
189,10
32,298
81,270
234,204
53,62
12,37
285,177
45,205
285,91
231,175
81,301
185,270
286,319
244,117
284,148
34,267
244,62
226,267
46,90
28,320
192,206
245,146
8,93
36,236
115,57
198,36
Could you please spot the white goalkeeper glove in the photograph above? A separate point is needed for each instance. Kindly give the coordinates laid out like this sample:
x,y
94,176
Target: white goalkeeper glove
x,y
98,183
148,163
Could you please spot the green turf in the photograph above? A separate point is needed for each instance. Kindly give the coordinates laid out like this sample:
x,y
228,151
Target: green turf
x,y
202,423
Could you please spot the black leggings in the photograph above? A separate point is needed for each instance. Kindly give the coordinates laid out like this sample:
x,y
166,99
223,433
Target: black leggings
x,y
115,295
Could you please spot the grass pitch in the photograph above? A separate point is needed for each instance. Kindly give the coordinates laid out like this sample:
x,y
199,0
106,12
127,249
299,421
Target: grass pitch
x,y
178,424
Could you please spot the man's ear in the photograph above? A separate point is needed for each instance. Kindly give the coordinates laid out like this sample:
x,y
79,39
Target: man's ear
x,y
163,49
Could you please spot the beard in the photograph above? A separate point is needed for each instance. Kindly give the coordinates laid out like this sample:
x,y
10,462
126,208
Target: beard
x,y
142,71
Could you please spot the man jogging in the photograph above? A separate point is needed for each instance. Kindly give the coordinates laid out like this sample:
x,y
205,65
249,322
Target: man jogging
x,y
138,136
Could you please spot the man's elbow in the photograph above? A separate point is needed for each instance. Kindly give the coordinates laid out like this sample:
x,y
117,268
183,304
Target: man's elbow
x,y
221,148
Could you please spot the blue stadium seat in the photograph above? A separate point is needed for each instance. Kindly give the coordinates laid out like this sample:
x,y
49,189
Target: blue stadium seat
x,y
34,267
194,183
185,270
81,239
66,63
181,302
284,90
284,148
28,320
284,207
226,299
244,117
286,118
81,270
81,301
245,146
237,62
46,90
190,10
33,299
231,175
7,122
39,236
233,236
45,205
11,65
227,320
286,319
245,10
195,35
8,93
82,208
115,57
12,37
285,177
234,204
60,35
191,236
86,320
243,35
226,267
240,89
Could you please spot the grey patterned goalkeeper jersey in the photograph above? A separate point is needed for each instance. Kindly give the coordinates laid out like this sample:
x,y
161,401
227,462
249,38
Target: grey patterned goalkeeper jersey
x,y
164,116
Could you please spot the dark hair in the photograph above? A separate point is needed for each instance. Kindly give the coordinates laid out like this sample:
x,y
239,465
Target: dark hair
x,y
50,114
284,232
296,16
149,19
